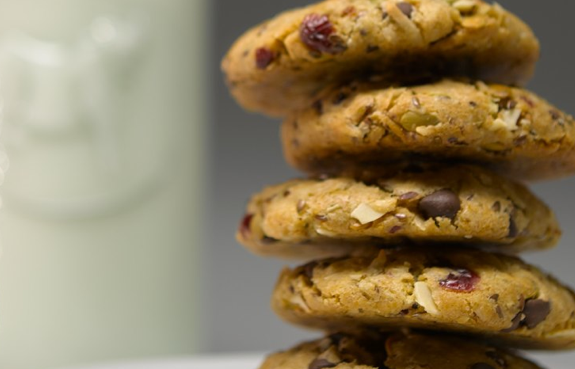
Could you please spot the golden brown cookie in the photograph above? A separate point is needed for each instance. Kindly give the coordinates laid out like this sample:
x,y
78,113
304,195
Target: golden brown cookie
x,y
509,129
307,219
468,291
370,350
281,64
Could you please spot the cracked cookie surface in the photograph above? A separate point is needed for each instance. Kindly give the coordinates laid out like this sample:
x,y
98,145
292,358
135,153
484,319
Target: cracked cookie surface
x,y
370,350
493,296
281,64
307,219
509,129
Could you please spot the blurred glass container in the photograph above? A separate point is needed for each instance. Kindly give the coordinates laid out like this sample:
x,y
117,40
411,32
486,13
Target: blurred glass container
x,y
103,122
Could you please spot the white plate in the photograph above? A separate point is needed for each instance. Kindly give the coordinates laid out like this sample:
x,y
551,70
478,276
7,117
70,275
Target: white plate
x,y
208,362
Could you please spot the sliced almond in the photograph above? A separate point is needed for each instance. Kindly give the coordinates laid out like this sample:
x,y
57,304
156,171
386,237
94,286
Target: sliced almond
x,y
423,298
366,214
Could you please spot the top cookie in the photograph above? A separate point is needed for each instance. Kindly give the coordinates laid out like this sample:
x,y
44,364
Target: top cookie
x,y
279,65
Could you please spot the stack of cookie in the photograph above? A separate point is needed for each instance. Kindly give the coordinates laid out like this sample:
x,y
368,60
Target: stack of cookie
x,y
413,203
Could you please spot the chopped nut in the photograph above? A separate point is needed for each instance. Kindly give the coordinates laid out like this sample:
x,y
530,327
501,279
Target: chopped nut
x,y
298,301
511,117
365,214
385,206
301,204
423,297
498,124
333,208
325,232
401,13
494,108
420,223
412,120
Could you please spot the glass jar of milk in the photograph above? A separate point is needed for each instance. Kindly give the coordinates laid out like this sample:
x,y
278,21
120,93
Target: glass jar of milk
x,y
103,113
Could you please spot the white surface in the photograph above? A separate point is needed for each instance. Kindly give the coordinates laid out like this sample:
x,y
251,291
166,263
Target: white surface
x,y
221,362
558,360
549,360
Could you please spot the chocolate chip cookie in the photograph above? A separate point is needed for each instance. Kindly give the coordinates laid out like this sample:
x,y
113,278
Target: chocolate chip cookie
x,y
317,218
509,129
281,64
469,291
371,350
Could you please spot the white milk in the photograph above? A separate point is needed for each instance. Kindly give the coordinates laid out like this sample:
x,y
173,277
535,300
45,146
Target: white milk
x,y
103,114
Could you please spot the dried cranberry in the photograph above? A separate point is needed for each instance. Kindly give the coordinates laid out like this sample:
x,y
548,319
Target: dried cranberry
x,y
264,57
245,225
317,32
461,280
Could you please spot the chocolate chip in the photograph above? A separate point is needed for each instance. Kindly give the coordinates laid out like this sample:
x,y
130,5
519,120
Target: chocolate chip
x,y
336,338
555,114
533,313
268,240
406,8
518,141
371,49
482,366
496,206
499,311
321,363
395,229
515,323
318,107
308,269
497,357
513,231
339,98
408,196
443,203
536,311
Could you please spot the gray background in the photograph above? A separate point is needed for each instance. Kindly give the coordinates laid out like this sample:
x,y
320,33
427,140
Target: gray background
x,y
247,155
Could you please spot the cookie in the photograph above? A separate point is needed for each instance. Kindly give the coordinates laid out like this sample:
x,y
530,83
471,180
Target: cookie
x,y
509,129
370,350
467,291
281,64
314,218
